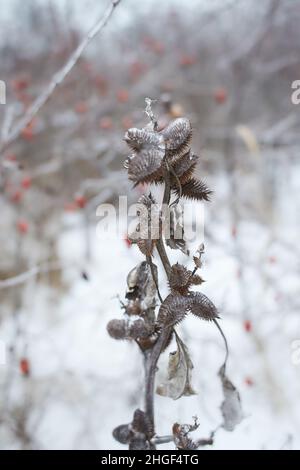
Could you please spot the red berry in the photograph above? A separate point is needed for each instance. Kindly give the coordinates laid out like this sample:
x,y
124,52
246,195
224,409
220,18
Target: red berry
x,y
272,259
234,231
248,326
27,133
87,67
137,69
24,366
158,47
81,107
101,83
127,122
26,182
220,95
128,242
22,226
122,95
81,201
16,196
20,84
12,157
249,381
70,207
186,60
106,123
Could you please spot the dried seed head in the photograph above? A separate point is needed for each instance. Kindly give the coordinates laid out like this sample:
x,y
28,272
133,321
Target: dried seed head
x,y
117,329
172,310
122,433
177,136
139,139
134,307
180,278
195,189
185,167
141,423
138,329
146,166
202,306
139,443
196,280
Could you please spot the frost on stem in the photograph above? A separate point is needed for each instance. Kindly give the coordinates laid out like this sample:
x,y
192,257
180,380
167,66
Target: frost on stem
x,y
165,157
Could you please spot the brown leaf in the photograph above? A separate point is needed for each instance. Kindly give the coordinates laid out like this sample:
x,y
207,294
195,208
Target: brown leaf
x,y
175,237
141,286
231,406
147,231
178,383
146,246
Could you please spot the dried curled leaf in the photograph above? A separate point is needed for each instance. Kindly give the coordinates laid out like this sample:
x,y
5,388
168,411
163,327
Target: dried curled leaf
x,y
195,189
182,439
175,237
172,310
180,367
146,246
231,406
177,136
202,306
146,166
148,228
181,435
197,258
141,287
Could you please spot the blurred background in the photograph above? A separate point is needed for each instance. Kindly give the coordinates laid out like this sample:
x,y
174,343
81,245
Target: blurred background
x,y
228,66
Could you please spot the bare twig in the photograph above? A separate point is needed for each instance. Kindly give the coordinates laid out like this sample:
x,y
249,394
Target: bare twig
x,y
59,77
23,277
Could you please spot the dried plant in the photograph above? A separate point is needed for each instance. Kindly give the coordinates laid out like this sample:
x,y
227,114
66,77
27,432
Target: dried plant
x,y
165,157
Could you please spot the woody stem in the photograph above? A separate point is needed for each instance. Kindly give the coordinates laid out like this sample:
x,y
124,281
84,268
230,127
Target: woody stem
x,y
152,357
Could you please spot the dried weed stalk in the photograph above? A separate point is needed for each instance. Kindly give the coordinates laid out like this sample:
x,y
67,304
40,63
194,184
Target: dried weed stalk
x,y
165,157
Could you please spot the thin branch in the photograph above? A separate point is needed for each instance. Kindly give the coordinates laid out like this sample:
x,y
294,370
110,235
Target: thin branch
x,y
59,77
163,439
23,277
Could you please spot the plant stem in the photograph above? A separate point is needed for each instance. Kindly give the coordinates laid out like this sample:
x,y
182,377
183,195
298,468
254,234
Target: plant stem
x,y
152,357
163,439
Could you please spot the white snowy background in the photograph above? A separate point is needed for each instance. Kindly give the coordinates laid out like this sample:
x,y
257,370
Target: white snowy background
x,y
82,383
